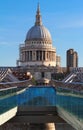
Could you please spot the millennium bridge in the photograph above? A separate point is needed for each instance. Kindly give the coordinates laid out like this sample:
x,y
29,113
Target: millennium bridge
x,y
21,102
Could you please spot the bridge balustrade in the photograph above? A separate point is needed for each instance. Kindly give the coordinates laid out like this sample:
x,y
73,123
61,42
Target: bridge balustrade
x,y
8,99
67,99
38,96
71,101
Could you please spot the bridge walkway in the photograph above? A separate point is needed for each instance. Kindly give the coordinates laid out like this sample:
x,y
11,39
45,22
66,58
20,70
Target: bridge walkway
x,y
48,103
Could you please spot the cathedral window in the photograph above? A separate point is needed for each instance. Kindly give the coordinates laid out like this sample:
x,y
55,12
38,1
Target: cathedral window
x,y
42,74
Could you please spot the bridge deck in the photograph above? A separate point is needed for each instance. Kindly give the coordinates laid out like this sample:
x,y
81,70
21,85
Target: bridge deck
x,y
38,104
37,115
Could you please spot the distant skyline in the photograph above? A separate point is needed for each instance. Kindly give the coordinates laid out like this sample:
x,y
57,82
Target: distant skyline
x,y
63,18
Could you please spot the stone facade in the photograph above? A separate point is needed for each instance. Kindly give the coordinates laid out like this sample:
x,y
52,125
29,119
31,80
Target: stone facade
x,y
37,48
36,54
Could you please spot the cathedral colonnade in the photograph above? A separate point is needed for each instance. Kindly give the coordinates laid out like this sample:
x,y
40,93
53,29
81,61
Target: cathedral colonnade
x,y
37,55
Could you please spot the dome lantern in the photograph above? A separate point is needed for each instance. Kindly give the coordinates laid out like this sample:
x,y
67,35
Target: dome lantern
x,y
38,32
38,17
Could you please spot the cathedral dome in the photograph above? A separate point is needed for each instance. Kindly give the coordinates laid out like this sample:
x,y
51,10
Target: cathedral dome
x,y
37,49
38,32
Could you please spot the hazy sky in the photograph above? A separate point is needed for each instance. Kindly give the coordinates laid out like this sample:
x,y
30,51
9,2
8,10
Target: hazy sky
x,y
63,18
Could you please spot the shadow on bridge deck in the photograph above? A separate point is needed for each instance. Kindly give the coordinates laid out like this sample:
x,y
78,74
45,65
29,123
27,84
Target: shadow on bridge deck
x,y
37,115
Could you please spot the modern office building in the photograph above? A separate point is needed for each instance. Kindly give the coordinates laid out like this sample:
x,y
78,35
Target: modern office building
x,y
72,58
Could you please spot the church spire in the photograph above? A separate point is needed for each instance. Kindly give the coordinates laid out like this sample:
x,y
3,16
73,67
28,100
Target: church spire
x,y
38,17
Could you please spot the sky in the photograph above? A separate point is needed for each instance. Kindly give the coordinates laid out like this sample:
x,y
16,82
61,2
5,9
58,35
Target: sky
x,y
63,18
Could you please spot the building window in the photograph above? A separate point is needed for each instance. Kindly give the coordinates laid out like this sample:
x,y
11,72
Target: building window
x,y
37,55
40,55
43,55
42,74
30,55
